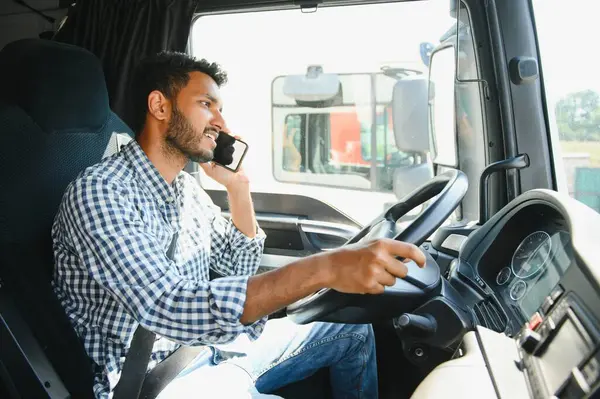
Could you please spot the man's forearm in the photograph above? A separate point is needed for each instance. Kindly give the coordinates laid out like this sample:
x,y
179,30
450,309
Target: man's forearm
x,y
361,268
271,291
242,210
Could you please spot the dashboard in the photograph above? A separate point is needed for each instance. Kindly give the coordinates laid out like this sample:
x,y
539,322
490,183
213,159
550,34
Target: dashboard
x,y
536,266
532,273
526,261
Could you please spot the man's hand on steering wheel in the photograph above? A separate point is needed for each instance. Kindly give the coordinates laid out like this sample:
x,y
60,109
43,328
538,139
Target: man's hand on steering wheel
x,y
366,268
371,268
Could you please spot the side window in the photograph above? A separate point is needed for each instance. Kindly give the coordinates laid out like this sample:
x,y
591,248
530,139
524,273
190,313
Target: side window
x,y
455,111
572,87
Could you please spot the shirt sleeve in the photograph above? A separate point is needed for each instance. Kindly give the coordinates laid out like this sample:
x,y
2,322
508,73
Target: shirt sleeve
x,y
232,252
127,260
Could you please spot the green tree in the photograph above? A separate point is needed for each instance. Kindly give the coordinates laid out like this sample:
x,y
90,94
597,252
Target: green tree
x,y
578,116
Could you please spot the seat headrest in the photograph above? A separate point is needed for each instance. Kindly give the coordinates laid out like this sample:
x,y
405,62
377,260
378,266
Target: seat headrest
x,y
60,86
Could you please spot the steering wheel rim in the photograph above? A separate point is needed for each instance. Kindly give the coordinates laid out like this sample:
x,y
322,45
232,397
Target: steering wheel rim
x,y
450,188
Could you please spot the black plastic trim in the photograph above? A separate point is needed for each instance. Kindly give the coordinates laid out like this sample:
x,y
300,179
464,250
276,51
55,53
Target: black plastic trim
x,y
28,367
293,205
583,223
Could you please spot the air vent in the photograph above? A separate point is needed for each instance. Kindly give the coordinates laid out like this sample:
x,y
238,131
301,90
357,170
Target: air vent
x,y
490,315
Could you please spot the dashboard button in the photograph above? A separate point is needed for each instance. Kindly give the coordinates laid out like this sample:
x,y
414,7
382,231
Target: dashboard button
x,y
547,304
535,321
556,293
572,390
529,340
547,328
579,379
480,282
591,371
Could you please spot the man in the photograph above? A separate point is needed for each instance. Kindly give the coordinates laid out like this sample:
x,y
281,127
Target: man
x,y
118,219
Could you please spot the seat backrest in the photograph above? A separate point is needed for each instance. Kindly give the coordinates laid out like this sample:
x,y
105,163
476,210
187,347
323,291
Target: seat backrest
x,y
55,121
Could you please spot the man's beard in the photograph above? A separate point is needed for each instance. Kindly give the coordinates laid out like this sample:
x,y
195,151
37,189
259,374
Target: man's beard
x,y
181,137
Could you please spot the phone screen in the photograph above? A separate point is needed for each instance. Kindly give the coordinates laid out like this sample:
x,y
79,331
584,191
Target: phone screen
x,y
229,152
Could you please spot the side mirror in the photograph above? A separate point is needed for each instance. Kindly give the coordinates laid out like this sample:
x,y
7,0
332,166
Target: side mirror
x,y
409,114
442,106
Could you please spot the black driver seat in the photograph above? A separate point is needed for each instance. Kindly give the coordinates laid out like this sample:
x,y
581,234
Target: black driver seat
x,y
55,121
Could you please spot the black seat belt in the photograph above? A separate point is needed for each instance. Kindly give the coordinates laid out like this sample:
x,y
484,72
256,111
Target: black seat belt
x,y
136,364
134,383
164,372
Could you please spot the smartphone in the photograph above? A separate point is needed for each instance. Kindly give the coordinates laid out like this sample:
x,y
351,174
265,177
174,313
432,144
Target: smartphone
x,y
229,152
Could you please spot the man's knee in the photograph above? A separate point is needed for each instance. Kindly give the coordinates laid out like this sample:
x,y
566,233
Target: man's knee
x,y
354,340
365,331
356,335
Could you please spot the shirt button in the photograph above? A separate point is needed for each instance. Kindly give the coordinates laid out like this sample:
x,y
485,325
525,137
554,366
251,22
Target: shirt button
x,y
170,200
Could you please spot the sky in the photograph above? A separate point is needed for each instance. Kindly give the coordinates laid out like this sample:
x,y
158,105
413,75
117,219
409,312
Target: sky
x,y
568,34
254,48
346,39
260,46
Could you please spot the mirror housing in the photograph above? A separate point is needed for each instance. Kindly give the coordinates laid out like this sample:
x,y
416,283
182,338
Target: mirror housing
x,y
442,106
409,114
315,87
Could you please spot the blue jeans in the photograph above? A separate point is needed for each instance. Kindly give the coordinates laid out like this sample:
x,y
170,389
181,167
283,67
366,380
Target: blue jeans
x,y
284,353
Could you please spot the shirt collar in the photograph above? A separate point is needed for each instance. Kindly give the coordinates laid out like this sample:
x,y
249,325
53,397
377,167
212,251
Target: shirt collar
x,y
149,176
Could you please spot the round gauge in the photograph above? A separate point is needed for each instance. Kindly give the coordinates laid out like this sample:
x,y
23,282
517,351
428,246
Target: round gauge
x,y
518,290
503,276
531,255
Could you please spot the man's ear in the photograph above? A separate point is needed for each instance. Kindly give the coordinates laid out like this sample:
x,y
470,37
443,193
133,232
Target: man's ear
x,y
159,106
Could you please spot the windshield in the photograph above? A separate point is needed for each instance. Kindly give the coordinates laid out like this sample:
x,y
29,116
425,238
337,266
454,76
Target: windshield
x,y
570,68
336,141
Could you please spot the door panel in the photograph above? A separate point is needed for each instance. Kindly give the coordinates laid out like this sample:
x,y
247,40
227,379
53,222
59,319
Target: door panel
x,y
296,226
289,204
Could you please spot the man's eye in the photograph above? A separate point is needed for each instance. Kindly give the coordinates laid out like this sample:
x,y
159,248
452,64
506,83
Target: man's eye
x,y
205,103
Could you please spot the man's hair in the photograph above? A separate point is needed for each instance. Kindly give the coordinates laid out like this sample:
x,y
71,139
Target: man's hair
x,y
167,72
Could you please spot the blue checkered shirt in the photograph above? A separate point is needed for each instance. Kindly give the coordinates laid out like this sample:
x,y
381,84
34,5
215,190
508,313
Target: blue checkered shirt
x,y
111,234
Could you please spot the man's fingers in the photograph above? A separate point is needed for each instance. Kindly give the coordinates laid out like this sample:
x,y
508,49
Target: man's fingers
x,y
396,268
405,250
376,289
386,277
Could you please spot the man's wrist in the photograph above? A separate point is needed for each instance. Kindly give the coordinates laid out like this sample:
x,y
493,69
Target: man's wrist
x,y
240,186
325,270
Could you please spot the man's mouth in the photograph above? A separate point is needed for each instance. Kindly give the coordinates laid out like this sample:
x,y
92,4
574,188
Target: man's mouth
x,y
212,135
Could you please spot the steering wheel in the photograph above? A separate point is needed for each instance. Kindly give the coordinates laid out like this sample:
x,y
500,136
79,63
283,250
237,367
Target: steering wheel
x,y
408,293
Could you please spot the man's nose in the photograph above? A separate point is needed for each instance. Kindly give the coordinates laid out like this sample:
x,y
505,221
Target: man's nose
x,y
217,121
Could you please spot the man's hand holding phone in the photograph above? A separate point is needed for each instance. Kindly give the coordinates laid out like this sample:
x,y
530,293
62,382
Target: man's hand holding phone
x,y
225,167
235,181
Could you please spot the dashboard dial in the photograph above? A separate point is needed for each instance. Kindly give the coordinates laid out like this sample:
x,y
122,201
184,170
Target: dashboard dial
x,y
531,255
503,276
518,290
